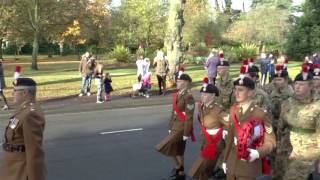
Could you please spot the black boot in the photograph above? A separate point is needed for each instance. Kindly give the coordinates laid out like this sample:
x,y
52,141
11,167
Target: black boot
x,y
179,174
173,172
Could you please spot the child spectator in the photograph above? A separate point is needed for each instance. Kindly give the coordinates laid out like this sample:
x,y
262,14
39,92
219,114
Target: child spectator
x,y
107,86
146,84
98,75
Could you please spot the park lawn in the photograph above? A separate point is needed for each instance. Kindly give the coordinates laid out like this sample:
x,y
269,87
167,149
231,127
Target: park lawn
x,y
59,77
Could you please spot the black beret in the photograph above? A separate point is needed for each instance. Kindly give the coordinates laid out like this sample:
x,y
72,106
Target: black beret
x,y
283,74
223,63
185,77
212,89
247,82
28,82
304,77
253,71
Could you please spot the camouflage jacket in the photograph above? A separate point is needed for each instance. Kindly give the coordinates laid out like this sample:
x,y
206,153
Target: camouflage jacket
x,y
261,99
278,96
300,121
226,90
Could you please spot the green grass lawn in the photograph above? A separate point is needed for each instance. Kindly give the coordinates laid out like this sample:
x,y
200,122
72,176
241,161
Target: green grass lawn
x,y
59,76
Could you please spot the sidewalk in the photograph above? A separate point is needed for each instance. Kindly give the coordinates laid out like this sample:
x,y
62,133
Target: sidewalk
x,y
88,103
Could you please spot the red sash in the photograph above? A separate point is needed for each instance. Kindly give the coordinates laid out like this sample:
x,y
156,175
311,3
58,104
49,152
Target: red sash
x,y
180,115
244,135
209,152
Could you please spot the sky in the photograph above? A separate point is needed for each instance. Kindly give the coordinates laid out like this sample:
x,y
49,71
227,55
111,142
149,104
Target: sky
x,y
236,4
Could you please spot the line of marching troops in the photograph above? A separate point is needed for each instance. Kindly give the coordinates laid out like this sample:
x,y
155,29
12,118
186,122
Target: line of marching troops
x,y
248,130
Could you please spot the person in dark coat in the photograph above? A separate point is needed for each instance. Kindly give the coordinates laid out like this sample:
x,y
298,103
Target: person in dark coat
x,y
107,86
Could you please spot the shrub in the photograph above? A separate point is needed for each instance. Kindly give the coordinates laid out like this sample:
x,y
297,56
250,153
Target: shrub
x,y
246,51
199,50
238,53
121,54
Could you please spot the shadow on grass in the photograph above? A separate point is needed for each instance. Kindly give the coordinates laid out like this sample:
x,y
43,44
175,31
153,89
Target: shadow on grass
x,y
61,81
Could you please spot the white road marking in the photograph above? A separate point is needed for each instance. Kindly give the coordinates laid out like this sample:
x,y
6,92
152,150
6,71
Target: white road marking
x,y
128,130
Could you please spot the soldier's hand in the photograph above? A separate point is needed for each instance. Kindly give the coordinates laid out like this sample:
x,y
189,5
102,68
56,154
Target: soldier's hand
x,y
185,138
254,154
224,167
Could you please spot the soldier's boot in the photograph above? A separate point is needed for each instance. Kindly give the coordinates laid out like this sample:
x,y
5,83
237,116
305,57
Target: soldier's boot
x,y
178,174
173,172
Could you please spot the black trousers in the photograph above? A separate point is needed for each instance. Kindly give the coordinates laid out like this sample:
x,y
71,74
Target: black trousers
x,y
161,82
3,97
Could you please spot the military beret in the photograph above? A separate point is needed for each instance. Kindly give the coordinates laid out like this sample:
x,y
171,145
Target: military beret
x,y
243,80
185,77
246,82
280,71
223,63
24,83
305,75
210,88
253,71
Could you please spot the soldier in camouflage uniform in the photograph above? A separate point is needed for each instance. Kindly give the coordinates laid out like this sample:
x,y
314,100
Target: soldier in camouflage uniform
x,y
260,97
281,93
300,118
224,84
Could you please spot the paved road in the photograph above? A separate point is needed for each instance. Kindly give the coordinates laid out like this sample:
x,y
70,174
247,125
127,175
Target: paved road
x,y
76,150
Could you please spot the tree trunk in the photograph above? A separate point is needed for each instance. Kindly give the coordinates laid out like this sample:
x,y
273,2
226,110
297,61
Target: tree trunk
x,y
35,21
173,41
35,51
50,50
78,51
1,51
61,47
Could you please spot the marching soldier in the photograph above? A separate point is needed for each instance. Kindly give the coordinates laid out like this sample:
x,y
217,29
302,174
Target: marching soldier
x,y
23,153
281,93
211,117
260,97
299,119
180,126
250,136
224,84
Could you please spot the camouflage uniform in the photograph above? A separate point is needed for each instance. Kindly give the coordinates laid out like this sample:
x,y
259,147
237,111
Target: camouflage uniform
x,y
300,121
261,99
268,88
225,87
277,97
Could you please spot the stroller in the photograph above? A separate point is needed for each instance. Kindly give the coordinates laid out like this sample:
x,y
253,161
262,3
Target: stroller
x,y
142,87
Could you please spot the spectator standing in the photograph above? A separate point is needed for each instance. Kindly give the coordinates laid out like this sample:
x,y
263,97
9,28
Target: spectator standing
x,y
162,67
211,66
107,86
3,86
86,68
264,63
